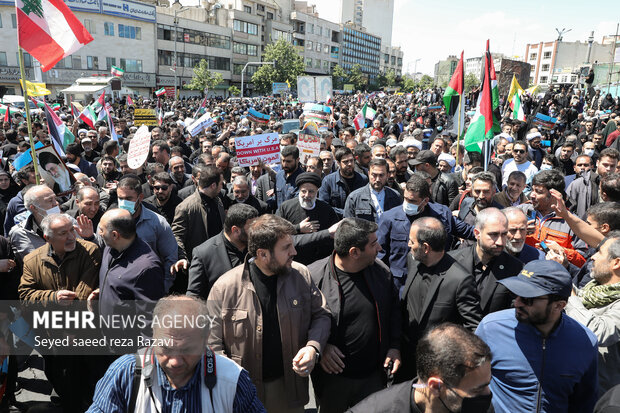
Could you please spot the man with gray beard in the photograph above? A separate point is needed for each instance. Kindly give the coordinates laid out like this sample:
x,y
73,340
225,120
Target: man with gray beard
x,y
515,240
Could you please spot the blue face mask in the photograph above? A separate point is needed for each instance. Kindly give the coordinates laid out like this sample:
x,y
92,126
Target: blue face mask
x,y
410,209
439,128
545,167
127,205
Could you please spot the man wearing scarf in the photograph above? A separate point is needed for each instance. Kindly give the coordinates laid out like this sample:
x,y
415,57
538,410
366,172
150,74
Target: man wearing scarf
x,y
597,306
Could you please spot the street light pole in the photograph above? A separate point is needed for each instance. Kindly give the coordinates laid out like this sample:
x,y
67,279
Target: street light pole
x,y
415,70
252,64
175,65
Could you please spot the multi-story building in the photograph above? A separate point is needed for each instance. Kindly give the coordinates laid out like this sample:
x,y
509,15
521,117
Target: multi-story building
x,y
444,70
391,59
474,65
315,39
360,47
197,37
119,28
560,62
376,16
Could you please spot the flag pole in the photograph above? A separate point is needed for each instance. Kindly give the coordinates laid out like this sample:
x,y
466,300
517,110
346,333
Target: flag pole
x,y
27,108
458,130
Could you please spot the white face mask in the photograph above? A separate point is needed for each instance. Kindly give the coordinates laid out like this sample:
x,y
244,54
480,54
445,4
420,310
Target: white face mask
x,y
51,211
588,152
410,209
545,167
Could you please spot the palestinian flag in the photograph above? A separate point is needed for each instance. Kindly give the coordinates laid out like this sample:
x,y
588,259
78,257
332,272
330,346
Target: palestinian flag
x,y
75,112
483,125
117,71
49,31
61,135
368,112
452,99
160,92
113,134
359,122
517,108
201,108
99,103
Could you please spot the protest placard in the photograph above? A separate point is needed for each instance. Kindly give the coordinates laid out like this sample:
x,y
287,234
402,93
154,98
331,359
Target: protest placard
x,y
145,117
265,147
200,124
139,148
309,142
544,121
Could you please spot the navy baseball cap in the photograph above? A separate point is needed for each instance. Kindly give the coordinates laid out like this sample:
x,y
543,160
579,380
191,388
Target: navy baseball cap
x,y
538,278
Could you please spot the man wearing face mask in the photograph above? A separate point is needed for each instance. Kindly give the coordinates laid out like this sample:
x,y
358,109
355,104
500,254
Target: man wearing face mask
x,y
454,372
543,360
27,236
394,226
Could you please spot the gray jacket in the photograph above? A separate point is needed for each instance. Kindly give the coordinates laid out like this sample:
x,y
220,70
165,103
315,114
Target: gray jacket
x,y
24,239
604,322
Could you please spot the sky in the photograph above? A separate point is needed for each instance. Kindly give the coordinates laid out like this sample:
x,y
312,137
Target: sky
x,y
433,30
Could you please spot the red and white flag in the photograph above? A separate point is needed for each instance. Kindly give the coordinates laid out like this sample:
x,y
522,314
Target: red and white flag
x,y
49,31
359,122
129,101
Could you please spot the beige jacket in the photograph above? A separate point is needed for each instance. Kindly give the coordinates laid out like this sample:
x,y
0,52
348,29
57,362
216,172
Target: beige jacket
x,y
237,333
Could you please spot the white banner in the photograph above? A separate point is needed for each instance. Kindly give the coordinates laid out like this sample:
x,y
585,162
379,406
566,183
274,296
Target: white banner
x,y
251,148
139,148
200,124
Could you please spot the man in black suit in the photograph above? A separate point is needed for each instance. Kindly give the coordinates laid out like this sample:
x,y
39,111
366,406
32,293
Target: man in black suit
x,y
488,262
240,194
222,252
437,290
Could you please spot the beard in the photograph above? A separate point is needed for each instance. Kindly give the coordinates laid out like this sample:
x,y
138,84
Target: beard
x,y
601,277
307,203
276,268
492,251
418,254
534,319
513,248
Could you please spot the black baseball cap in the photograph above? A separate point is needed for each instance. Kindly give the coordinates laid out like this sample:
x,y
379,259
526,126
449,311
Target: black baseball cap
x,y
538,278
425,156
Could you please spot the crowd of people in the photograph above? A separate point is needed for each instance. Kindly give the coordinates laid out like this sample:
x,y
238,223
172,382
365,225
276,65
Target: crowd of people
x,y
395,258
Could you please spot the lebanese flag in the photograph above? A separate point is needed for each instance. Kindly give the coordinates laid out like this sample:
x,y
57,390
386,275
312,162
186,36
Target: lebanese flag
x,y
61,135
49,31
359,122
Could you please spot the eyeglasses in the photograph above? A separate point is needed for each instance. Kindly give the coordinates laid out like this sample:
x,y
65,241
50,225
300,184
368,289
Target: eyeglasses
x,y
518,151
161,187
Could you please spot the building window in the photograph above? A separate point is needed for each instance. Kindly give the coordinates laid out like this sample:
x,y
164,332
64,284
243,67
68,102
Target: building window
x,y
393,60
247,9
386,58
317,64
319,30
318,47
309,45
547,55
326,49
110,61
76,62
245,27
3,59
260,7
14,20
249,71
533,56
90,26
325,65
129,32
309,62
545,68
543,79
108,29
92,62
270,15
310,28
0,21
399,61
131,65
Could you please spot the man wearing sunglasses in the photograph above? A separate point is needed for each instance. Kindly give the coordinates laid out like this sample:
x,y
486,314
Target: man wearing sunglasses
x,y
519,162
543,360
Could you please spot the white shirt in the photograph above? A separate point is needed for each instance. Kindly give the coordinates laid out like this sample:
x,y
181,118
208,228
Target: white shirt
x,y
527,167
378,199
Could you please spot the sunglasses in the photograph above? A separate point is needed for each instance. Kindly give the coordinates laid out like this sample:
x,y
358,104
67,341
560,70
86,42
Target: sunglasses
x,y
530,301
518,151
161,187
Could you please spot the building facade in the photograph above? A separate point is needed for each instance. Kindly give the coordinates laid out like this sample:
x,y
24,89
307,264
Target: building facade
x,y
561,62
444,70
119,28
316,39
391,59
360,47
376,16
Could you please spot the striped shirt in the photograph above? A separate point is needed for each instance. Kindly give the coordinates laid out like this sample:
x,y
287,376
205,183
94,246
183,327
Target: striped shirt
x,y
113,391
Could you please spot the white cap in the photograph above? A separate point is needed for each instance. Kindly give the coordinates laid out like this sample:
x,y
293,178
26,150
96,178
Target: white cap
x,y
448,158
533,135
407,143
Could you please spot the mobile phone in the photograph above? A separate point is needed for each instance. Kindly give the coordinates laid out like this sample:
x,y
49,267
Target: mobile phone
x,y
544,247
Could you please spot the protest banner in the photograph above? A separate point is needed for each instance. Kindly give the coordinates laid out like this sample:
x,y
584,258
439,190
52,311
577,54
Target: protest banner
x,y
200,124
139,148
544,121
256,116
265,147
314,88
279,88
309,142
145,117
317,113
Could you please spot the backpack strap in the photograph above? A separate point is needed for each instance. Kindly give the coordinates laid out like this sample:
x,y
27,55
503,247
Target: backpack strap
x,y
137,375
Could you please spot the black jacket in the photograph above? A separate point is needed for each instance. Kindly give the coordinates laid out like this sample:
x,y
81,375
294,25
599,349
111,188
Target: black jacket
x,y
395,399
444,189
261,207
209,261
493,295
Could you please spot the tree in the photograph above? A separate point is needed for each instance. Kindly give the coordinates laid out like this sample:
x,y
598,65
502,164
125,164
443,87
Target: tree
x,y
408,84
426,82
357,77
339,77
380,81
234,91
203,78
390,78
471,81
288,65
